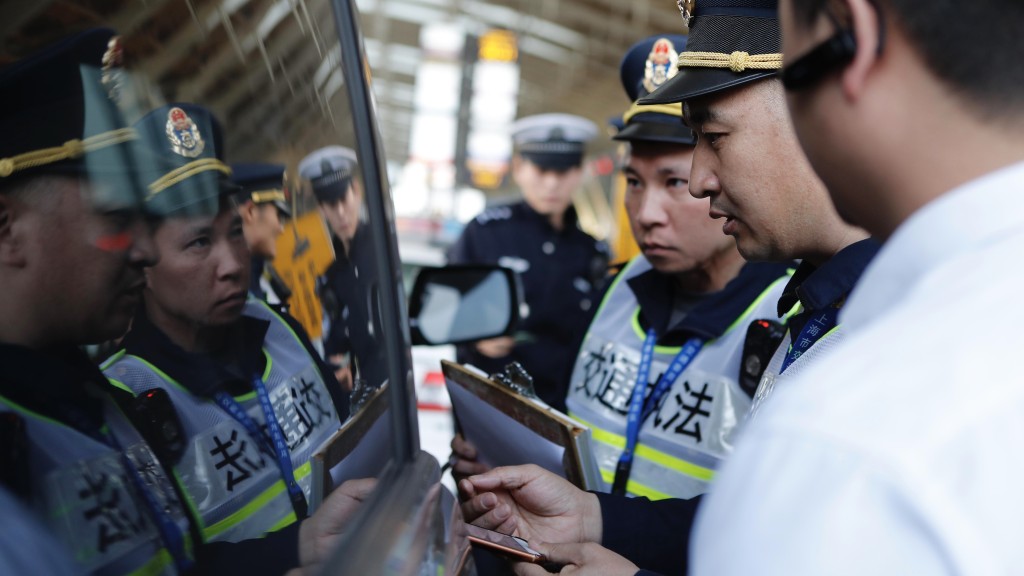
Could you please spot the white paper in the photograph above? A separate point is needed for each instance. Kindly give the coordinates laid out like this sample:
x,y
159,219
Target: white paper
x,y
499,439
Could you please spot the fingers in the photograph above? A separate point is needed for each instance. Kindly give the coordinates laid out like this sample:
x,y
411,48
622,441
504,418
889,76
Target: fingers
x,y
463,448
505,477
359,489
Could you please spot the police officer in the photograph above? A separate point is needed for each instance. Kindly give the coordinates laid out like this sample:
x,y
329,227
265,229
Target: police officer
x,y
264,208
351,343
722,78
748,161
539,238
253,400
667,341
73,245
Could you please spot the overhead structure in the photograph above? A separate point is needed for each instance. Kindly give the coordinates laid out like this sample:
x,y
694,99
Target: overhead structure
x,y
267,67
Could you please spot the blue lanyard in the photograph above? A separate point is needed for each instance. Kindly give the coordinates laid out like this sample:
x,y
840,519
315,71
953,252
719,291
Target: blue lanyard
x,y
170,532
817,326
639,410
279,448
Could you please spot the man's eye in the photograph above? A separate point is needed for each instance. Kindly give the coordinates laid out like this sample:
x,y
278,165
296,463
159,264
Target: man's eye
x,y
677,182
200,242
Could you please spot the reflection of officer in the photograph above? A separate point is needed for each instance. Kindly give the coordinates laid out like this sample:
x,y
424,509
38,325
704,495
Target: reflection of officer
x,y
264,208
689,297
74,248
245,382
351,342
539,238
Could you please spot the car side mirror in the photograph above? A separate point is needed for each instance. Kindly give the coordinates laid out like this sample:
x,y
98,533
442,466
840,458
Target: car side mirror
x,y
457,304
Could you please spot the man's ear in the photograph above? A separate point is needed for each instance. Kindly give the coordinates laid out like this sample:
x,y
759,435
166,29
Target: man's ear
x,y
865,18
11,242
247,210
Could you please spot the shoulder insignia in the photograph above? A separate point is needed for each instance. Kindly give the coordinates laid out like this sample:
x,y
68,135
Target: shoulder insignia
x,y
494,214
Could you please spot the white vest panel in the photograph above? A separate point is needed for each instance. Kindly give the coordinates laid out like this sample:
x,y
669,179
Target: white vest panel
x,y
692,430
234,486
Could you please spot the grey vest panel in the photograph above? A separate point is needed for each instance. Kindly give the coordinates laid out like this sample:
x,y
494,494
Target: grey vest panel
x,y
89,501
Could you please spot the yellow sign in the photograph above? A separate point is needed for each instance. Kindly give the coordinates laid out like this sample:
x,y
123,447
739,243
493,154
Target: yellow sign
x,y
498,46
304,252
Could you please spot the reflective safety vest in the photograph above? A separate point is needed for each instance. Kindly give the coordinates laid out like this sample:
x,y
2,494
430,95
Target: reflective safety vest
x,y
772,378
685,439
234,488
90,500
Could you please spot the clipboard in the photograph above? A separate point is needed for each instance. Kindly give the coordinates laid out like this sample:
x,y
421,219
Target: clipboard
x,y
509,429
359,449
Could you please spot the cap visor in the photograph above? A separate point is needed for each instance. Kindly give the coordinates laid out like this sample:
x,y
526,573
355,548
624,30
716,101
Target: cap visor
x,y
693,82
656,132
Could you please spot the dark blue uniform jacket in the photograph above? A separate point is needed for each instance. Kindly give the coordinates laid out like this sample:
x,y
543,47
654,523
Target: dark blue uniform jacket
x,y
559,271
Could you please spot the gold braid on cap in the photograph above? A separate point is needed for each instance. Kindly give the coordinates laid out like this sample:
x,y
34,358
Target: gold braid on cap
x,y
264,196
184,172
68,150
667,109
737,61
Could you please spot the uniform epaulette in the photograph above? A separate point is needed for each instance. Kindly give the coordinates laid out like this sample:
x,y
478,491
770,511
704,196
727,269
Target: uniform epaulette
x,y
495,214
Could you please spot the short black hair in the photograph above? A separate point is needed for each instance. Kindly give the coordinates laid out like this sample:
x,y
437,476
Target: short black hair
x,y
974,47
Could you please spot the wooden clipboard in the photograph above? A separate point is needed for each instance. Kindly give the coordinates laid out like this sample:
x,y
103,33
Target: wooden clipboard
x,y
536,421
362,459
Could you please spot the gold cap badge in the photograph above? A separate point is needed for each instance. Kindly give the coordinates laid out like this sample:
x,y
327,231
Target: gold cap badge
x,y
661,64
184,134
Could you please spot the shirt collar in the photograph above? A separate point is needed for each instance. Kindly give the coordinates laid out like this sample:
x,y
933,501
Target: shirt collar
x,y
712,316
201,374
961,220
816,287
569,220
55,383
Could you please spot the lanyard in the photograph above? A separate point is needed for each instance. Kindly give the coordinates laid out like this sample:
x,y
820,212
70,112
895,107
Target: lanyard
x,y
817,326
170,532
279,448
639,410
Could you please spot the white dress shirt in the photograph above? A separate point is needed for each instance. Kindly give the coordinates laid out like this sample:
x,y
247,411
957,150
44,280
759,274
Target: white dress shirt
x,y
901,451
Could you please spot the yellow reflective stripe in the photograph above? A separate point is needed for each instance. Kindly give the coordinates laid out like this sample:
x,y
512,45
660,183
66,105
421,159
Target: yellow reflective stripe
x,y
646,491
646,452
240,515
121,385
288,520
757,301
156,565
109,361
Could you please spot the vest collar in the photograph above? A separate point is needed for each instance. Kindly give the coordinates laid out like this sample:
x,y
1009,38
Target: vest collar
x,y
201,374
819,286
714,314
55,383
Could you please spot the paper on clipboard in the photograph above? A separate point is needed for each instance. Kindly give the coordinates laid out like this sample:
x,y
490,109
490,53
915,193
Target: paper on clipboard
x,y
359,449
509,429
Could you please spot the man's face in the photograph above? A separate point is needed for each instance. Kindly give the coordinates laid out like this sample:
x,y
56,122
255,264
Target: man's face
x,y
202,279
819,129
671,227
262,225
749,163
548,192
343,215
89,261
